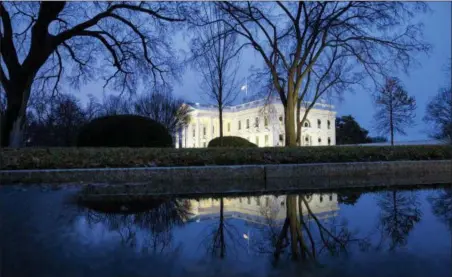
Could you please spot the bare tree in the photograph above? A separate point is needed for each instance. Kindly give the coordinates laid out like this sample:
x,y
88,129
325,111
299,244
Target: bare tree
x,y
439,111
215,55
54,121
395,109
116,105
294,37
163,108
43,42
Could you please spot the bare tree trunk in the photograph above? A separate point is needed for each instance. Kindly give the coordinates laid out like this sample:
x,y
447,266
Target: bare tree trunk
x,y
391,121
289,123
220,112
12,126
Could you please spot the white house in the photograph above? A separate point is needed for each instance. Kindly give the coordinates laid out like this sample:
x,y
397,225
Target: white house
x,y
261,122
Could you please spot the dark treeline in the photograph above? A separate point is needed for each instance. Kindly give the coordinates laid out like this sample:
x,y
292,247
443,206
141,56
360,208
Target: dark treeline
x,y
56,120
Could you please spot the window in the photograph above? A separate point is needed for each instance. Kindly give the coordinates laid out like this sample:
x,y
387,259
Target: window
x,y
256,122
266,140
306,139
258,201
240,125
229,126
204,130
194,131
282,203
331,197
329,141
320,141
280,118
240,200
281,137
306,124
328,124
319,123
247,124
249,200
266,121
257,140
321,199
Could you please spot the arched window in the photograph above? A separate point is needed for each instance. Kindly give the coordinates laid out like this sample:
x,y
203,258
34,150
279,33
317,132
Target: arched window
x,y
306,124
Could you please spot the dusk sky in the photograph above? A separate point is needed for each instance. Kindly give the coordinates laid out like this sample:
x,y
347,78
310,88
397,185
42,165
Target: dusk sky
x,y
423,81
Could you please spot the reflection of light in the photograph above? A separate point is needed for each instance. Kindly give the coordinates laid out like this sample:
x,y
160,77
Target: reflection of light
x,y
198,220
245,236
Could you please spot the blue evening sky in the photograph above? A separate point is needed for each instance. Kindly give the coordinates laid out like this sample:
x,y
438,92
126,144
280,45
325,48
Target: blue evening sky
x,y
423,80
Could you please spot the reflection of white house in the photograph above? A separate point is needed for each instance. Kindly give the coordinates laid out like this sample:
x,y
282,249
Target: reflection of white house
x,y
261,122
258,209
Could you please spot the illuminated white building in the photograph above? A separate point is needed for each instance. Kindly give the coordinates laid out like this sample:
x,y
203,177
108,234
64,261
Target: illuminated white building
x,y
260,122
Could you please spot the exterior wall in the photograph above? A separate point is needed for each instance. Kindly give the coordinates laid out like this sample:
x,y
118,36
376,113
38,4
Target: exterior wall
x,y
241,121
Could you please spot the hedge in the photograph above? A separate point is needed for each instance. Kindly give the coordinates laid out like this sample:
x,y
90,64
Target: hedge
x,y
231,141
48,158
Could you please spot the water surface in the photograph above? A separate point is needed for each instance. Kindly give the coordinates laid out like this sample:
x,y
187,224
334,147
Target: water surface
x,y
386,233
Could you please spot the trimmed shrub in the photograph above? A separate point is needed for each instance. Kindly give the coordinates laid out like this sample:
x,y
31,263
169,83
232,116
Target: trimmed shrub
x,y
231,142
124,131
73,157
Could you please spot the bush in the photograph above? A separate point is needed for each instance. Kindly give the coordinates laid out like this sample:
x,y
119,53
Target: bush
x,y
72,157
124,131
231,142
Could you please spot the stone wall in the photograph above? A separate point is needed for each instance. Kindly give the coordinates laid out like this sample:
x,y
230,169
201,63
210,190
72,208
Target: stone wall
x,y
213,179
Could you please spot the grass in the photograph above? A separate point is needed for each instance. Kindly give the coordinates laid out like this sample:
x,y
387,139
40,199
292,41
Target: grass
x,y
50,158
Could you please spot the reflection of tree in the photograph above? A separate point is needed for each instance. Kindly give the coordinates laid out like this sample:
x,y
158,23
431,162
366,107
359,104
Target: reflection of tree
x,y
219,235
156,217
442,206
306,235
399,213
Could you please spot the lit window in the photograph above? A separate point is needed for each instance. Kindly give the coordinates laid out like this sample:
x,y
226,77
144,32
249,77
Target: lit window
x,y
319,123
240,125
247,124
329,141
266,121
328,123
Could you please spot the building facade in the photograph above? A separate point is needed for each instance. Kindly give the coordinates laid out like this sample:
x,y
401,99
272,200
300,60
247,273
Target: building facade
x,y
260,122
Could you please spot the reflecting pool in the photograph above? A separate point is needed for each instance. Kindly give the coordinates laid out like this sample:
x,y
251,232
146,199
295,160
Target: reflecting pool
x,y
66,232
